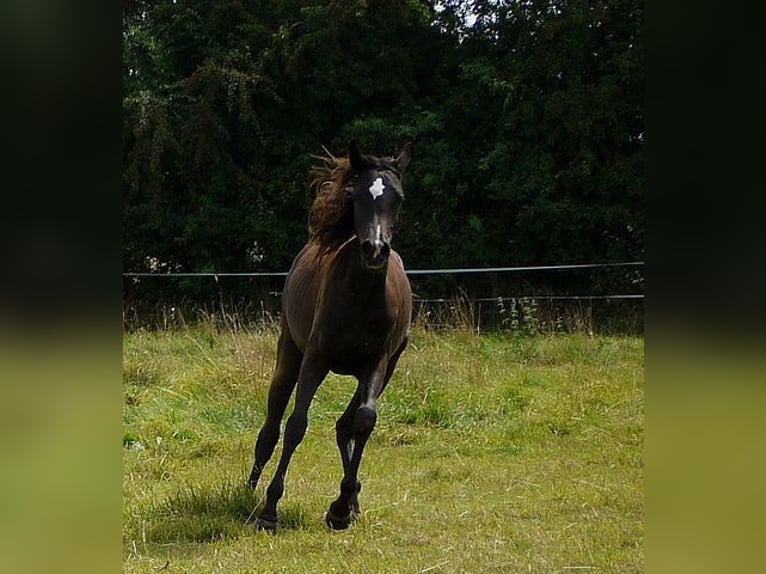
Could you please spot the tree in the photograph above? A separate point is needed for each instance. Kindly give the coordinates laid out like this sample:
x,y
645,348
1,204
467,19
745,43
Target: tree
x,y
526,116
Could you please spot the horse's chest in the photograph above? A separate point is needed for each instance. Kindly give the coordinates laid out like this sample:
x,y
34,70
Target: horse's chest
x,y
360,342
355,357
354,338
362,334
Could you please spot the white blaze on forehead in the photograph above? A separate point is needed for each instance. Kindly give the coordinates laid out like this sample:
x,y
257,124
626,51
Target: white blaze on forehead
x,y
376,189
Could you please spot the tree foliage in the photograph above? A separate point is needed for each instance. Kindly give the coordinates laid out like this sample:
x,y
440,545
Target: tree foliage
x,y
526,116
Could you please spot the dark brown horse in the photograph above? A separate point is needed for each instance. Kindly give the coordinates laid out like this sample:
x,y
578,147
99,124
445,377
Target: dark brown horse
x,y
346,308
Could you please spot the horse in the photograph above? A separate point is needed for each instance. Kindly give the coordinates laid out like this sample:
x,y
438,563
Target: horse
x,y
346,308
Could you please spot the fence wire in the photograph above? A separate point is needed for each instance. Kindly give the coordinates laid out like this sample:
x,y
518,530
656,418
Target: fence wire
x,y
446,271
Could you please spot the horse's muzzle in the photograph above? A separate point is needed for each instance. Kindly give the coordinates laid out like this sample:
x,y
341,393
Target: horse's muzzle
x,y
375,253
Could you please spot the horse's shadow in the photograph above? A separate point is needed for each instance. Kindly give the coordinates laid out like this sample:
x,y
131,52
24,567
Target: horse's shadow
x,y
205,513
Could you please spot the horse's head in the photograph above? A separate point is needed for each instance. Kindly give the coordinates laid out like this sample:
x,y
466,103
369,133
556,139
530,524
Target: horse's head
x,y
377,192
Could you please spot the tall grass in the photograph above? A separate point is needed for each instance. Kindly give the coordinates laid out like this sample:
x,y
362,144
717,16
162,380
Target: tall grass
x,y
503,451
522,315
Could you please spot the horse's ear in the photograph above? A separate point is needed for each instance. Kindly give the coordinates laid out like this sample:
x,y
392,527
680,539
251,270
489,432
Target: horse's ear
x,y
403,159
355,156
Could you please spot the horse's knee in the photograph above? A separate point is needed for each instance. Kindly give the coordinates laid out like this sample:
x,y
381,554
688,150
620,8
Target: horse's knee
x,y
364,421
344,426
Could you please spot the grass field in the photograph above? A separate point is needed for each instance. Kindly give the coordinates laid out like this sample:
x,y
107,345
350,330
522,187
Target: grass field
x,y
492,453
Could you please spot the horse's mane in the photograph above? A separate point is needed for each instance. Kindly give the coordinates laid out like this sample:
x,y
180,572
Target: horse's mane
x,y
331,219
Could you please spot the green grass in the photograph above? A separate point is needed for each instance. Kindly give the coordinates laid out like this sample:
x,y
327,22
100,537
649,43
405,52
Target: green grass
x,y
492,453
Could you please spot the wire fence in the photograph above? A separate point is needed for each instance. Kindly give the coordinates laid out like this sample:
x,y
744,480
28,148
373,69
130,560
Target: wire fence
x,y
446,271
512,305
436,272
536,297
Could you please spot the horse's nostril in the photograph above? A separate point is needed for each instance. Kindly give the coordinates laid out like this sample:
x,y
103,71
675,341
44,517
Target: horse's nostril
x,y
375,250
367,248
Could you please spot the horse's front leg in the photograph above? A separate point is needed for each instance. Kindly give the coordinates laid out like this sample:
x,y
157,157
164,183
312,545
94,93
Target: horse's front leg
x,y
344,436
289,360
312,373
345,432
365,415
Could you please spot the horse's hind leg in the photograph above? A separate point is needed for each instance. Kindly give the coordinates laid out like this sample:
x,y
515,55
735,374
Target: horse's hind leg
x,y
282,385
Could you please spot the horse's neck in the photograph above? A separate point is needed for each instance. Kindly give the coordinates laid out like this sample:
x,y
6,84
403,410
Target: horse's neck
x,y
360,278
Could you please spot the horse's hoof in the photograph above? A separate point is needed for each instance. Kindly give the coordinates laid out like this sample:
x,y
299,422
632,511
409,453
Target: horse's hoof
x,y
265,525
337,522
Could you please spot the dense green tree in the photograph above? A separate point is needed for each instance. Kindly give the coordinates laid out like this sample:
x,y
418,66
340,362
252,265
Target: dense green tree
x,y
526,117
557,138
